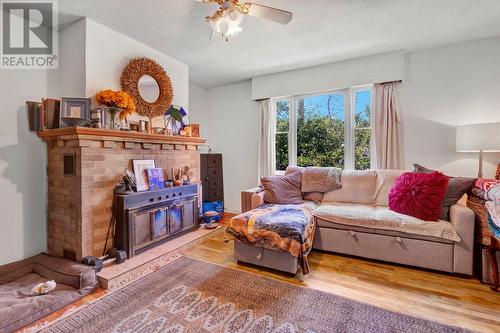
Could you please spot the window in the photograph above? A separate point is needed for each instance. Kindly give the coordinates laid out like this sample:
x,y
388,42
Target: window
x,y
362,129
282,130
328,129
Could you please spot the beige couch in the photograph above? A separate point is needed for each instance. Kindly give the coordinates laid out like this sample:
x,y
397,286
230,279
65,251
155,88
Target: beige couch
x,y
356,220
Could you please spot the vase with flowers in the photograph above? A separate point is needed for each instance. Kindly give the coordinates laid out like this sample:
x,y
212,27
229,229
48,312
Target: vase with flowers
x,y
118,103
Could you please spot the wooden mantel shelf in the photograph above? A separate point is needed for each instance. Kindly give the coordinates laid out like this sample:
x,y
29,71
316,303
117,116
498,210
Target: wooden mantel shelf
x,y
87,133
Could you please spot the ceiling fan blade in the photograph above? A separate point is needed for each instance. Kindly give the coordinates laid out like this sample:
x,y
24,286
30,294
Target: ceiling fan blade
x,y
269,13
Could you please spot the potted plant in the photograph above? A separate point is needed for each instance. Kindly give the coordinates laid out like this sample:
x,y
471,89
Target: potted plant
x,y
117,103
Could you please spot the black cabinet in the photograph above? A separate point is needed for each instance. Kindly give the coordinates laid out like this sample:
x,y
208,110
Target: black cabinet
x,y
212,177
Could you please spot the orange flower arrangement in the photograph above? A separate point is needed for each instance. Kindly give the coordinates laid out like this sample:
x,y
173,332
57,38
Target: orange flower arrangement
x,y
118,99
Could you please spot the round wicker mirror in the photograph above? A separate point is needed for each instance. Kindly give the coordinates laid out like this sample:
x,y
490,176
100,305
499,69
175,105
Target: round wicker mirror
x,y
132,79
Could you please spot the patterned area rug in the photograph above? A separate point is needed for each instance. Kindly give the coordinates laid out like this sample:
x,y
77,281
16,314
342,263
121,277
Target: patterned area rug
x,y
190,295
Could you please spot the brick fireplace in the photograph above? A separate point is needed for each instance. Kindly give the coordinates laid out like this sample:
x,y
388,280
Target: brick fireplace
x,y
83,167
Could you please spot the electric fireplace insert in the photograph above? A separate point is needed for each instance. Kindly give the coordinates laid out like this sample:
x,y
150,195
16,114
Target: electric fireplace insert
x,y
146,219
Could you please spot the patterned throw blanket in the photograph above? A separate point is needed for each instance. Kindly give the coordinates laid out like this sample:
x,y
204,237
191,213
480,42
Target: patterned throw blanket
x,y
494,218
487,189
280,227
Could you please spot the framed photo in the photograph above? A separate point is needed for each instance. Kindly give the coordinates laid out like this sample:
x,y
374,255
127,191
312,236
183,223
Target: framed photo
x,y
143,126
134,126
155,179
141,173
74,108
195,130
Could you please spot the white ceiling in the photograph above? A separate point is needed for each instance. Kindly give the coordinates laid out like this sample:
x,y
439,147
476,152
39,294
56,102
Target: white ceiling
x,y
322,31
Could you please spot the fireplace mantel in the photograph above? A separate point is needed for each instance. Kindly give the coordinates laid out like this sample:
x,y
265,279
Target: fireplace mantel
x,y
87,133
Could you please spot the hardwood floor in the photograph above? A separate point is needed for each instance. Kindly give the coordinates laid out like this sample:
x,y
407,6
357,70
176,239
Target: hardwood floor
x,y
444,298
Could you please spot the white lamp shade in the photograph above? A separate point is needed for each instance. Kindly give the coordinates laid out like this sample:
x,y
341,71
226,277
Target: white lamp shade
x,y
474,138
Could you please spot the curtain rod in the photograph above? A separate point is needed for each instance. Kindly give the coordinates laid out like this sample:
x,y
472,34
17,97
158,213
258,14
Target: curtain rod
x,y
386,82
395,81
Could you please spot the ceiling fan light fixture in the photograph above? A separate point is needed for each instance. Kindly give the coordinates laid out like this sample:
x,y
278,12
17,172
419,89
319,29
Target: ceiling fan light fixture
x,y
235,16
215,21
227,19
226,22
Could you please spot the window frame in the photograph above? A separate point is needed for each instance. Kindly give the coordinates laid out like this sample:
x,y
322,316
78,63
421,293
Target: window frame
x,y
349,124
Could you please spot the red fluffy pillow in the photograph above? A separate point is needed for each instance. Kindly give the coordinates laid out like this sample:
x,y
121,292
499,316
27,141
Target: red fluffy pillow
x,y
419,195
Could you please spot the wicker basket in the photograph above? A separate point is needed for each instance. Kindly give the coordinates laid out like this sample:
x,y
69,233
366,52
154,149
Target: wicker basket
x,y
481,231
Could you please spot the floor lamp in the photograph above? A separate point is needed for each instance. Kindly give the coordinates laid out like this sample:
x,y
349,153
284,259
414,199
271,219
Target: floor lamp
x,y
478,138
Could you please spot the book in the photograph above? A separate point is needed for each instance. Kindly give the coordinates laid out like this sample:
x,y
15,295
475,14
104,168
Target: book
x,y
33,118
51,110
41,117
155,179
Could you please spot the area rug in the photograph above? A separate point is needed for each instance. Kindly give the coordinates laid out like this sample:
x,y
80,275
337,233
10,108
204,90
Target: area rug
x,y
190,295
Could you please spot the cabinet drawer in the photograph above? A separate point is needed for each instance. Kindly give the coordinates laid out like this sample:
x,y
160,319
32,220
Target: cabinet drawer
x,y
214,173
215,183
407,251
216,195
214,160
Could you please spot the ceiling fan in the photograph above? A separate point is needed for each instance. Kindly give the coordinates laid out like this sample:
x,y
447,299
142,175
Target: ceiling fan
x,y
227,19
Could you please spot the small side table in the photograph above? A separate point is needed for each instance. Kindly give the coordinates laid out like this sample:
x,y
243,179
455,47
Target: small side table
x,y
492,254
210,216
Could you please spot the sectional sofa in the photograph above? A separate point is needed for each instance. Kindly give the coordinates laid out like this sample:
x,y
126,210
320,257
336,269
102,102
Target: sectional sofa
x,y
355,220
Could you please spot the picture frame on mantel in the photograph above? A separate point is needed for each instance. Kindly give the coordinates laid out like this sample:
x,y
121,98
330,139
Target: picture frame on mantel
x,y
76,108
140,168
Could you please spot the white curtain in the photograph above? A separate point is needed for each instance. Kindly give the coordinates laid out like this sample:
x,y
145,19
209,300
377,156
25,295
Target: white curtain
x,y
267,140
387,132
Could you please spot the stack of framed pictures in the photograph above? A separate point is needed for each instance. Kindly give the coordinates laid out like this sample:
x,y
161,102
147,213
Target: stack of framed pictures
x,y
53,113
147,175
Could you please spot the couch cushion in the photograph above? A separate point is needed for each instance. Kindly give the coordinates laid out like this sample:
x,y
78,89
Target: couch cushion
x,y
343,213
381,218
385,180
358,187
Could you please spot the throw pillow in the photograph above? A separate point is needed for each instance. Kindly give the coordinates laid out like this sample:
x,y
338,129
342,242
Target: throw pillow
x,y
282,189
291,169
419,195
457,187
316,197
315,179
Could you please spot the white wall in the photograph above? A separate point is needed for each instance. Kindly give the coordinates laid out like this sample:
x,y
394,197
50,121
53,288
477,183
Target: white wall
x,y
199,111
338,75
448,87
108,52
229,120
22,165
72,60
443,88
